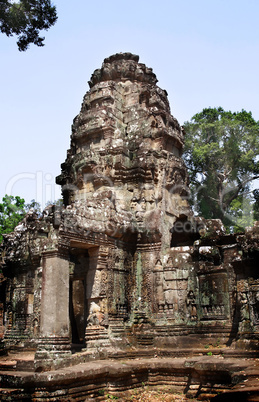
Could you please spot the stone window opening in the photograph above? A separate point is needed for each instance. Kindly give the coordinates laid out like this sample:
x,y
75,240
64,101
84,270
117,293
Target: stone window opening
x,y
184,232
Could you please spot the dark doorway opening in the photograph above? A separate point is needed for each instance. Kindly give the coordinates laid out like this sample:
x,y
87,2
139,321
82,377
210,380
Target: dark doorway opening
x,y
77,311
79,265
184,232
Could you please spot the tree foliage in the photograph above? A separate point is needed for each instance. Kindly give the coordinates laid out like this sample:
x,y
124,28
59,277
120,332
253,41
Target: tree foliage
x,y
12,211
57,203
221,154
26,18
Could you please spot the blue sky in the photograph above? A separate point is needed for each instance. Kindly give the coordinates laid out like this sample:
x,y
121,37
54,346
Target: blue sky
x,y
204,53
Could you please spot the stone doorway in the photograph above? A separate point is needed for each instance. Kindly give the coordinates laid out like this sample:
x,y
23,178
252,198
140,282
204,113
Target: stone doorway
x,y
78,308
77,311
83,291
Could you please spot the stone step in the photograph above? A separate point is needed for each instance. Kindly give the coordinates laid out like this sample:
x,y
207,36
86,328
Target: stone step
x,y
145,340
25,365
9,365
17,365
192,374
117,330
10,394
17,362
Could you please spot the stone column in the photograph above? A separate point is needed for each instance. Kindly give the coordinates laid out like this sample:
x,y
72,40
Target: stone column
x,y
96,334
54,340
143,328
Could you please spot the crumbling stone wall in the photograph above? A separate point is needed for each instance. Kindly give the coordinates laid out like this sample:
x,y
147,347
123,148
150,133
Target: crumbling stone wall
x,y
21,285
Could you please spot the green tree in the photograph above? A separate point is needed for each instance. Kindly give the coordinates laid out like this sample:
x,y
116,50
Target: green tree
x,y
26,18
221,154
12,211
35,206
57,203
241,212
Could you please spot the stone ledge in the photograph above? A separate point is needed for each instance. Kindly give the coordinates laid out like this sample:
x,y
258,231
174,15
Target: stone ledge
x,y
193,376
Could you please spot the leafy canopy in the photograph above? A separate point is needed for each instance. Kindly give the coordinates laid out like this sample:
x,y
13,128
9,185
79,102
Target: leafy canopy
x,y
12,211
26,18
221,154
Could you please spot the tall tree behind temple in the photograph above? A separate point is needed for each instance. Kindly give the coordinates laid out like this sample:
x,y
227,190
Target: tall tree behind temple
x,y
221,154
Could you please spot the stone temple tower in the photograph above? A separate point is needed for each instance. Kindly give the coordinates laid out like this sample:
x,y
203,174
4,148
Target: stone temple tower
x,y
124,185
124,176
124,264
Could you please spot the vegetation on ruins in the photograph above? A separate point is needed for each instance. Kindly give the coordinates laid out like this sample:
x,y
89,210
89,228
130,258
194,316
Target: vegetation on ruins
x,y
12,211
221,154
26,18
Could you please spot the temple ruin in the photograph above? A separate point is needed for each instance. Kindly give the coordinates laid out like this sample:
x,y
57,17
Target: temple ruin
x,y
124,269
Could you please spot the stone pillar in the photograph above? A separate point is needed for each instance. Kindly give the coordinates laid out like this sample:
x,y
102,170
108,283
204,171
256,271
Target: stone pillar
x,y
54,340
96,334
143,296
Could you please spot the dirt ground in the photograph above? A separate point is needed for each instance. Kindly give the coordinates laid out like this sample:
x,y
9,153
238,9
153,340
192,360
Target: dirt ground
x,y
145,394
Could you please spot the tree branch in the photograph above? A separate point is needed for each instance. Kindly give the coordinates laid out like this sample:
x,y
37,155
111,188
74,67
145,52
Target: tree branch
x,y
226,203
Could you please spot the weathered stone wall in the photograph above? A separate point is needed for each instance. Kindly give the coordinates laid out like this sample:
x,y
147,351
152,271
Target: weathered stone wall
x,y
21,288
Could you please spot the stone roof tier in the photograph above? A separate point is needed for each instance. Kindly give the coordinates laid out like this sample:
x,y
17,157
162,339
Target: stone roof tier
x,y
123,66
